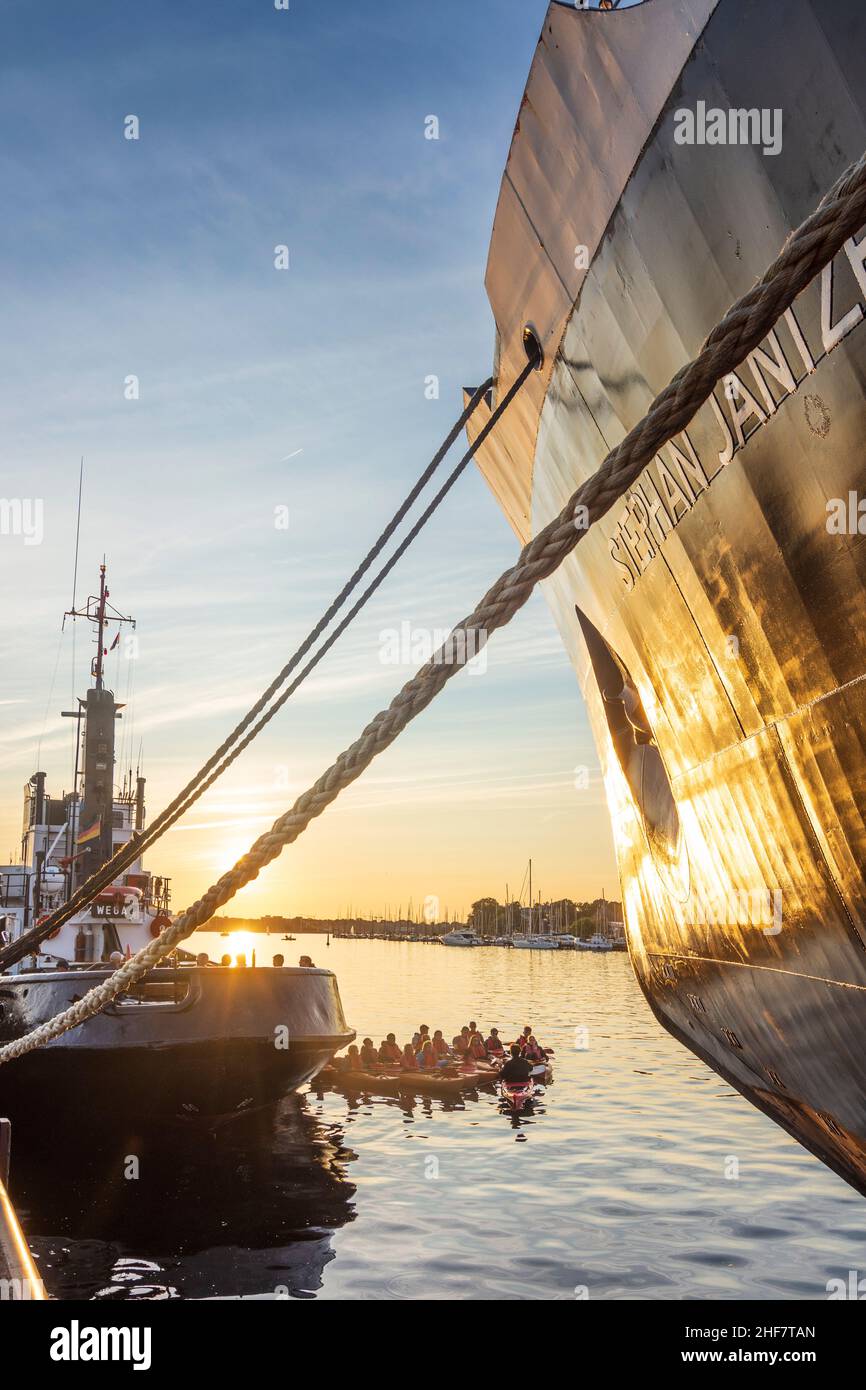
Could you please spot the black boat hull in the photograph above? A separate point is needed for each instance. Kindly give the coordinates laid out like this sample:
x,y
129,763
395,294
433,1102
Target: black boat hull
x,y
194,1041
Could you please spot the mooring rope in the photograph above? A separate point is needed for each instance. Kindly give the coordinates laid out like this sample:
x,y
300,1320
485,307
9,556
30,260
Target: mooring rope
x,y
367,593
230,748
815,242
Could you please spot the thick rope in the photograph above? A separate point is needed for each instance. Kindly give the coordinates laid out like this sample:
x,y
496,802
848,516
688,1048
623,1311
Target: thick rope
x,y
225,755
806,252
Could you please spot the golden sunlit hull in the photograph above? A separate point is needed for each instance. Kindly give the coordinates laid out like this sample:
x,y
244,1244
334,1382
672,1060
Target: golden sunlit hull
x,y
729,587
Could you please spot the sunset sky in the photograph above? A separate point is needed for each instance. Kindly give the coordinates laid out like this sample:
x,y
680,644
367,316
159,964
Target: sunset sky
x,y
258,389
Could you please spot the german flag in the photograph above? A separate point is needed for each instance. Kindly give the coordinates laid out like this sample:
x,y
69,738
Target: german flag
x,y
92,833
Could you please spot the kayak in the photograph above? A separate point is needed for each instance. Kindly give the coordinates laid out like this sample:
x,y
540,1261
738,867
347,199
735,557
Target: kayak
x,y
516,1094
392,1083
377,1082
388,1080
441,1084
480,1071
542,1071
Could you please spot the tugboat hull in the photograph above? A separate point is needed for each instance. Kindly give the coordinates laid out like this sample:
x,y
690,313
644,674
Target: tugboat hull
x,y
189,1041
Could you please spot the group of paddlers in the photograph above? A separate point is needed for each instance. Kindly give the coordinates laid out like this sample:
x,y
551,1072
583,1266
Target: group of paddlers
x,y
428,1051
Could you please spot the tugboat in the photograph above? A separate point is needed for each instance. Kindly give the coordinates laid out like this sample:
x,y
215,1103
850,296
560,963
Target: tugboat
x,y
189,1038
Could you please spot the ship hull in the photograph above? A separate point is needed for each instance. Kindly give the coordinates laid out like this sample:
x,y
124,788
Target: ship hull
x,y
727,591
193,1041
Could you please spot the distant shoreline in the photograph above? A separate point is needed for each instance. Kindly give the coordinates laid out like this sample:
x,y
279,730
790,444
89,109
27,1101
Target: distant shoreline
x,y
307,926
488,918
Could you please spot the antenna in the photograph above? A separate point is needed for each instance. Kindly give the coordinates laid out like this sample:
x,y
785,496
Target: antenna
x,y
99,611
77,532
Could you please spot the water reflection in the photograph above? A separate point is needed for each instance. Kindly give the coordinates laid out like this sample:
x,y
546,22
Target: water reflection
x,y
246,1209
520,1116
618,1181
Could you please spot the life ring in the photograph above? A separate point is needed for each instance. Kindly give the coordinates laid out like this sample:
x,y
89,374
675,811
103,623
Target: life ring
x,y
160,921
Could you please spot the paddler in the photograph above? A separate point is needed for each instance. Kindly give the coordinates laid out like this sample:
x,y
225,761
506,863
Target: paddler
x,y
517,1068
408,1059
351,1061
369,1055
390,1049
493,1044
477,1051
440,1046
527,1033
419,1038
426,1057
532,1050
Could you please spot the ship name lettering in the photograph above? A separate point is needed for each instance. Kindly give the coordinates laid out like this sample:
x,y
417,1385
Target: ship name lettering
x,y
745,401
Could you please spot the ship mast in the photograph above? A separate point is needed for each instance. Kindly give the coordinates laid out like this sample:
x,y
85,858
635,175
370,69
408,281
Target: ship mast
x,y
94,840
100,625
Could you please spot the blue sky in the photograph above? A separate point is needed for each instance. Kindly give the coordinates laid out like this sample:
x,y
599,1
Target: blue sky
x,y
261,388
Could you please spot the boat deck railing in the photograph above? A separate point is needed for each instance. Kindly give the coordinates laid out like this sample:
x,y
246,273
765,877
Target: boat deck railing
x,y
13,887
19,1277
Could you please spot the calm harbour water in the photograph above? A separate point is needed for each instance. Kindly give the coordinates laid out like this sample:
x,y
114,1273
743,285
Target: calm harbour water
x,y
616,1184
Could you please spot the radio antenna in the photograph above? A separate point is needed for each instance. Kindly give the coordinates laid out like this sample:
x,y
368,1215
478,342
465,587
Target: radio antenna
x,y
77,530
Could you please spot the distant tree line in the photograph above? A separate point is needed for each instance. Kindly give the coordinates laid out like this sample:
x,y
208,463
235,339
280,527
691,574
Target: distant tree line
x,y
489,917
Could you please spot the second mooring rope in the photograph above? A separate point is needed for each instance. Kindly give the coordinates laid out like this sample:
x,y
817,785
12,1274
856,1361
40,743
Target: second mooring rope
x,y
815,242
127,853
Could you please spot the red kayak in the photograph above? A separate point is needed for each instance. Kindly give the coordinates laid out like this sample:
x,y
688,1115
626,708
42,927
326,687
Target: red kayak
x,y
517,1094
